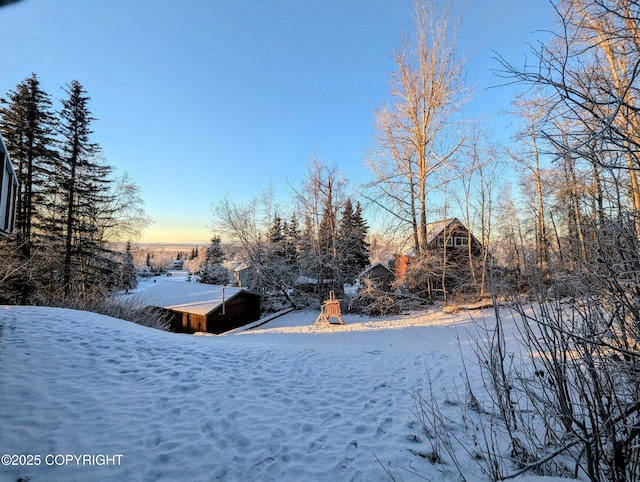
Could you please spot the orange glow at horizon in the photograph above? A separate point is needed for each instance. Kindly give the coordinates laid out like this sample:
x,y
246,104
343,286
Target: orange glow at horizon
x,y
183,232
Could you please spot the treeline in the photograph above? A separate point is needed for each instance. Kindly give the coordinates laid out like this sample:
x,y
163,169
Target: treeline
x,y
72,211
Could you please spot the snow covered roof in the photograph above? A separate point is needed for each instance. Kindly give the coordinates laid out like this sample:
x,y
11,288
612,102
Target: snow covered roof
x,y
196,298
307,280
369,268
237,266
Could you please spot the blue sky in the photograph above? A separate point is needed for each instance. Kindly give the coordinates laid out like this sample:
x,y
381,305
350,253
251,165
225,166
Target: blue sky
x,y
197,99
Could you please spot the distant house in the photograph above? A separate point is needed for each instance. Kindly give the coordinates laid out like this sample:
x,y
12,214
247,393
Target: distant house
x,y
178,264
449,243
380,275
195,307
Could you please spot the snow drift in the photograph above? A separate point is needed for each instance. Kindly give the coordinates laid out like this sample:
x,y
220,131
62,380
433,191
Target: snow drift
x,y
281,402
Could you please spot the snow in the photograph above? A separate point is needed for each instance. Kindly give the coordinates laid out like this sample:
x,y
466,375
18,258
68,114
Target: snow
x,y
282,401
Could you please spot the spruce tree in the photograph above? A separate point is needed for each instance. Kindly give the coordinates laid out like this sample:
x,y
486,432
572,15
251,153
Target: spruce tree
x,y
27,126
361,248
279,268
351,246
67,206
128,279
292,241
83,183
28,129
212,271
275,237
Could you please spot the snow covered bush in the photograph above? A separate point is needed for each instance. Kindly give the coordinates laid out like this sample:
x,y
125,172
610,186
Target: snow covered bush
x,y
370,299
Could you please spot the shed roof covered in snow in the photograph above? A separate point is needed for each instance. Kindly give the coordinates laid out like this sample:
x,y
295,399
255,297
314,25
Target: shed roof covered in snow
x,y
196,298
374,267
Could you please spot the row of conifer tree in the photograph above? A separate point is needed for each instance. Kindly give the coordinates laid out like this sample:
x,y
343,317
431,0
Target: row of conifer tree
x,y
71,209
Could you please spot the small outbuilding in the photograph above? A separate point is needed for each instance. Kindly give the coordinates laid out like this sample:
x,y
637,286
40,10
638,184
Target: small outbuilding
x,y
199,307
380,275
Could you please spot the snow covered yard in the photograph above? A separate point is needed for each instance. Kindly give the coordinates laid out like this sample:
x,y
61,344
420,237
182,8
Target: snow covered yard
x,y
279,402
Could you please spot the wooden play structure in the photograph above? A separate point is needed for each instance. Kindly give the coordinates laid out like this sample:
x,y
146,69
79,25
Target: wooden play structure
x,y
329,309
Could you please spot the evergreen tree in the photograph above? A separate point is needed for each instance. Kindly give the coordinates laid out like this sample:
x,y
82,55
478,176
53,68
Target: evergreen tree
x,y
275,237
128,279
355,245
27,127
352,247
83,184
344,242
67,206
212,270
292,241
278,269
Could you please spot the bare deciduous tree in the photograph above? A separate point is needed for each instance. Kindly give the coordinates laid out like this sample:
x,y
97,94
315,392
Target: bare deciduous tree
x,y
414,131
529,159
589,73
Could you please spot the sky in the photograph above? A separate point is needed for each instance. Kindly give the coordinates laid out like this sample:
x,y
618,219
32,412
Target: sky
x,y
201,99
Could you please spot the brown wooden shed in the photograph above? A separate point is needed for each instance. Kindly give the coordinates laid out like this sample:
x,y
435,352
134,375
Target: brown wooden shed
x,y
196,307
378,273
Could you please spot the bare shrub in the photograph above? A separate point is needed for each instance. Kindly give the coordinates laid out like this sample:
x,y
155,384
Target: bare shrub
x,y
372,300
124,308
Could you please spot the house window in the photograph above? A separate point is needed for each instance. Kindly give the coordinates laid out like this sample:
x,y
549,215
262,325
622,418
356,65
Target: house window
x,y
449,242
462,241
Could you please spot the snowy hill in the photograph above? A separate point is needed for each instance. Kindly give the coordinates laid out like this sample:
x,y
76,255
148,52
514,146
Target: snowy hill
x,y
87,397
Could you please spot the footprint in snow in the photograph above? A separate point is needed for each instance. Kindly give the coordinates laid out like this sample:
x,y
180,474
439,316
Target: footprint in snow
x,y
384,426
208,430
153,441
351,450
